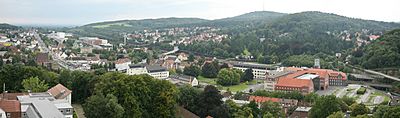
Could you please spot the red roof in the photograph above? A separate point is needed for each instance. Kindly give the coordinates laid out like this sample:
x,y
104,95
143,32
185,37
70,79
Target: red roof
x,y
292,82
10,105
123,60
261,99
59,91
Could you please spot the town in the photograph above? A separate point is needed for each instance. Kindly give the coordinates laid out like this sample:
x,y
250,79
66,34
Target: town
x,y
59,50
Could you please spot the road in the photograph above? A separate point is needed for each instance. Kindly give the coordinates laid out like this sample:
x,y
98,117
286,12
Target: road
x,y
374,72
44,49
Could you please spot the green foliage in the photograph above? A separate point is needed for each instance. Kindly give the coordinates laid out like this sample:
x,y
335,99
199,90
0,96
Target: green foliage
x,y
79,82
191,58
361,90
384,111
34,85
227,77
324,106
358,109
338,114
210,70
273,108
277,94
383,52
254,108
348,100
192,70
209,100
140,95
187,97
247,76
13,75
100,106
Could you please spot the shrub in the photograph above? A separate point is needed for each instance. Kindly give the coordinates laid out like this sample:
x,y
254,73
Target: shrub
x,y
361,90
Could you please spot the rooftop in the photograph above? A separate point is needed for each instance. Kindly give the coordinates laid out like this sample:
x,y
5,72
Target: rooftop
x,y
10,105
291,82
155,68
261,99
307,76
59,91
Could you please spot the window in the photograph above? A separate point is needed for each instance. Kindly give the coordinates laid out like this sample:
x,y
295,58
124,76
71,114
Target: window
x,y
68,110
8,115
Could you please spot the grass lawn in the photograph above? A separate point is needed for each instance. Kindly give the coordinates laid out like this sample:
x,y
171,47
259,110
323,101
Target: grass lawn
x,y
235,88
207,80
385,97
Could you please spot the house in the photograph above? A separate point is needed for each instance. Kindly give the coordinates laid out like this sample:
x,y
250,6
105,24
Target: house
x,y
10,108
122,64
86,50
285,103
171,62
61,92
155,71
300,112
183,56
44,105
259,70
42,58
184,79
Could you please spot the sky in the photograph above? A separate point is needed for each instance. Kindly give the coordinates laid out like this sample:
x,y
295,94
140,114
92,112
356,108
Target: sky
x,y
80,12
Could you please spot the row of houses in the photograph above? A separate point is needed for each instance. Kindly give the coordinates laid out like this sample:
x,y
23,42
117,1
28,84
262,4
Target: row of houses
x,y
55,103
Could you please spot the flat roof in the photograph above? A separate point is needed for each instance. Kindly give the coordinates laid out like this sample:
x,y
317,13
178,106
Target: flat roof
x,y
303,109
307,76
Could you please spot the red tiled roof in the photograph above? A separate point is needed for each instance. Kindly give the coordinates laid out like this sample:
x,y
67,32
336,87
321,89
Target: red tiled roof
x,y
59,91
261,99
10,105
121,61
11,96
292,82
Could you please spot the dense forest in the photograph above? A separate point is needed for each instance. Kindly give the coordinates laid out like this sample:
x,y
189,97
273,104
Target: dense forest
x,y
8,26
383,52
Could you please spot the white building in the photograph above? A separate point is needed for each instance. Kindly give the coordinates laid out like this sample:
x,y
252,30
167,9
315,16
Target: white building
x,y
155,71
122,64
2,113
259,70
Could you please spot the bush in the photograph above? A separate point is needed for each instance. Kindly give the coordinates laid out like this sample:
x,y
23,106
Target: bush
x,y
361,90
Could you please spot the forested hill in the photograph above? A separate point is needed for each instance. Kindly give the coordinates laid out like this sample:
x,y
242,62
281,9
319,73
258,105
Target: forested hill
x,y
324,22
8,26
252,18
383,52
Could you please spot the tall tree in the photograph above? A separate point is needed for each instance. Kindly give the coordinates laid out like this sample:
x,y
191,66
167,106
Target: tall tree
x,y
358,109
100,106
209,100
192,70
209,70
188,97
324,106
248,75
33,84
272,108
338,114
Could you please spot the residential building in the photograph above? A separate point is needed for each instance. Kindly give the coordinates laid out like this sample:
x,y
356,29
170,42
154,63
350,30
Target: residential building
x,y
42,58
61,92
300,112
259,70
122,64
10,108
44,105
171,62
184,79
155,71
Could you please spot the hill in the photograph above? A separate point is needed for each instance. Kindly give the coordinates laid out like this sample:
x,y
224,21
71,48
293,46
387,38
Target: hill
x,y
383,52
112,29
252,18
8,26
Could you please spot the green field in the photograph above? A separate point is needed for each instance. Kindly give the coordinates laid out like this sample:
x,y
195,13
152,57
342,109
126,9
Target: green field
x,y
234,88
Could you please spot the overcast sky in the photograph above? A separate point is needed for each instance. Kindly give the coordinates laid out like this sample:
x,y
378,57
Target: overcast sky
x,y
80,12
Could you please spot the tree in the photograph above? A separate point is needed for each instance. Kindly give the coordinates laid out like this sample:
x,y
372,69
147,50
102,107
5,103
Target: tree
x,y
191,58
324,106
228,77
209,99
272,108
311,98
192,71
248,75
254,108
209,70
188,97
140,95
392,112
34,85
338,114
348,100
380,111
358,109
99,106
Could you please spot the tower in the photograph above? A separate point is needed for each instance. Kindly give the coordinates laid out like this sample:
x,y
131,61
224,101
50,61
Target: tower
x,y
317,63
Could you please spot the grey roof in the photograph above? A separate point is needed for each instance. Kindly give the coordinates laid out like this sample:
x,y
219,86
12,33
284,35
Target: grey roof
x,y
156,68
359,76
253,65
182,77
137,65
276,74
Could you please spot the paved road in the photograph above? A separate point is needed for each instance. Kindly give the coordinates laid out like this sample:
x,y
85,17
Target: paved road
x,y
45,49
